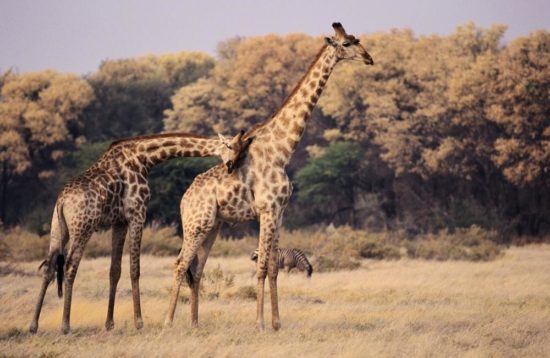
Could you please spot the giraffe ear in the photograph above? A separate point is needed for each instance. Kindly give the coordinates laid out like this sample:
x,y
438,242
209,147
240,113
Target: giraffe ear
x,y
330,41
222,138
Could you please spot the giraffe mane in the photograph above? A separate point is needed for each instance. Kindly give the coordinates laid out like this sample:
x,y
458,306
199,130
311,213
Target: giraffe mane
x,y
155,136
256,127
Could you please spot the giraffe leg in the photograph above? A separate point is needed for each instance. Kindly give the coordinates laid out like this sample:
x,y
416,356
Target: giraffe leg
x,y
136,230
118,237
197,268
267,233
73,261
46,280
186,256
273,271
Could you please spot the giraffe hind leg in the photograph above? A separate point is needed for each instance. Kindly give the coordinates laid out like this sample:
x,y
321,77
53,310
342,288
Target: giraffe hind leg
x,y
118,238
73,261
193,239
198,264
48,275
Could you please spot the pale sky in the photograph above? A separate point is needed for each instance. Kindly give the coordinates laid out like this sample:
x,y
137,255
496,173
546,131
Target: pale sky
x,y
76,35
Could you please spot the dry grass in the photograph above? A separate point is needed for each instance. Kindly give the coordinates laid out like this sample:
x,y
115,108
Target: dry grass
x,y
384,308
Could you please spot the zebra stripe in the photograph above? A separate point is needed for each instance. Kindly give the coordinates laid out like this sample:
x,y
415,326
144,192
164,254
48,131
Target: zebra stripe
x,y
290,258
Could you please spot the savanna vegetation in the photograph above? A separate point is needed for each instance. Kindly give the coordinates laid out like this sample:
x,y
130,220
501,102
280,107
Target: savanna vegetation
x,y
443,133
381,308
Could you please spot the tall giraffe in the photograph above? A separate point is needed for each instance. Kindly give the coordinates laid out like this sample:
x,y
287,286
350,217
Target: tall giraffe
x,y
114,192
259,188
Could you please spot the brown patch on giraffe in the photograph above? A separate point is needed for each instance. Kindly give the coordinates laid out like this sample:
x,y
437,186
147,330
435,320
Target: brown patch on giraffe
x,y
314,98
297,129
315,74
282,149
152,148
291,142
312,84
280,133
143,191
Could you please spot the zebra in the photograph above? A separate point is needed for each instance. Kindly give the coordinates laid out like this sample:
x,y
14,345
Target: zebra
x,y
290,258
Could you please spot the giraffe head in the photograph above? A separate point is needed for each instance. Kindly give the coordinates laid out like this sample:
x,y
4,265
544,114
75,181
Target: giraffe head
x,y
232,150
347,47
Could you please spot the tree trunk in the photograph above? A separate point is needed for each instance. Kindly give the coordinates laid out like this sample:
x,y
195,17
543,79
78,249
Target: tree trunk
x,y
4,192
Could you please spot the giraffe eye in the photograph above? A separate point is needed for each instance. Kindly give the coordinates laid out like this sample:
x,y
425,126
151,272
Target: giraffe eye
x,y
346,44
229,146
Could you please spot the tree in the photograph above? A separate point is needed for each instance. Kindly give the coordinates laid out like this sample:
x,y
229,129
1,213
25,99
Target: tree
x,y
131,94
247,86
335,183
37,112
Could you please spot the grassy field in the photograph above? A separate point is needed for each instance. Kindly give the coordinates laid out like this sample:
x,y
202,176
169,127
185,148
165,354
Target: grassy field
x,y
385,308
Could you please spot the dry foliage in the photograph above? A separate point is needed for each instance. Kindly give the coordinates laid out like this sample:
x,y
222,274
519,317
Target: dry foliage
x,y
384,308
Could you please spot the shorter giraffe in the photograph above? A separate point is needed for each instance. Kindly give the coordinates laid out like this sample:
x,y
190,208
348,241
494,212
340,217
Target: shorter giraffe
x,y
114,193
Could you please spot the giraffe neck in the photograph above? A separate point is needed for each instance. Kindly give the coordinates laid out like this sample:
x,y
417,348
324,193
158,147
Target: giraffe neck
x,y
283,132
150,151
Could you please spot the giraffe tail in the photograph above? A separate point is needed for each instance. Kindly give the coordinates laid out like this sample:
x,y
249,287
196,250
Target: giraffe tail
x,y
60,259
59,267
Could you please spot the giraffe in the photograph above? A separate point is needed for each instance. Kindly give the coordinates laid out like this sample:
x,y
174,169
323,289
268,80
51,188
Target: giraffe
x,y
260,188
114,192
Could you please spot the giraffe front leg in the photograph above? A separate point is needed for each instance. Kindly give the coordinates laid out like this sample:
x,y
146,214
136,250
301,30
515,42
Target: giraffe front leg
x,y
135,232
272,273
267,232
118,238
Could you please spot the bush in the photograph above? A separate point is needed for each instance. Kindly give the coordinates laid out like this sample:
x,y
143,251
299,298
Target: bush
x,y
472,244
379,247
231,247
215,282
247,293
22,245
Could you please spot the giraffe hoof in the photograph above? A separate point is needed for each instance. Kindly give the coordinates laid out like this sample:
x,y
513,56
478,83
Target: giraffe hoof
x,y
109,325
167,323
139,323
276,325
33,328
65,329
